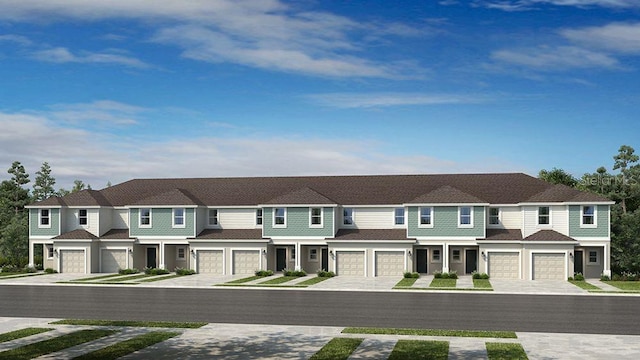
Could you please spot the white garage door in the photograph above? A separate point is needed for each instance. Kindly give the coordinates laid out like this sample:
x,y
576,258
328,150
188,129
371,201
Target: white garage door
x,y
72,261
246,261
504,265
350,263
210,262
389,263
113,260
548,267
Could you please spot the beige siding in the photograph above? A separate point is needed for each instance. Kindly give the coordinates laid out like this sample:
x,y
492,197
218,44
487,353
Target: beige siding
x,y
106,215
559,220
237,218
71,222
201,219
510,218
373,218
120,219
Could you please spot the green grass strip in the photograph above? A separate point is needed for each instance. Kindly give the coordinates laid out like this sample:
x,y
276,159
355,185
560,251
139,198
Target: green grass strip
x,y
56,344
406,282
497,351
443,283
128,346
2,274
432,332
20,275
132,323
244,280
420,349
313,281
17,334
100,277
134,277
482,284
625,285
278,280
167,277
584,285
337,349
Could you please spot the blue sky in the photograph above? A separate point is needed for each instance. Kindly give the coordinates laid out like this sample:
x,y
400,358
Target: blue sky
x,y
113,90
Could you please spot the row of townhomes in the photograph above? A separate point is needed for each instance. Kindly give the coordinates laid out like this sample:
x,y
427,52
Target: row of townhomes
x,y
511,226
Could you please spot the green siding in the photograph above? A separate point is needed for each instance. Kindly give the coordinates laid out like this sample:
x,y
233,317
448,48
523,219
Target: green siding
x,y
54,220
602,230
161,223
446,222
298,223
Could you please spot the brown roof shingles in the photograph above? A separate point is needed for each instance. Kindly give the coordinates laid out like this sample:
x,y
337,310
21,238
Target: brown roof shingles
x,y
78,234
116,234
503,234
372,234
303,196
548,235
447,195
230,234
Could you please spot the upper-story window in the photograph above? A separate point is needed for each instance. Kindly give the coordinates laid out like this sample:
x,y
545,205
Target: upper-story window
x,y
426,216
279,217
347,216
178,218
145,218
45,218
83,218
494,216
465,216
588,216
258,216
315,217
399,216
544,215
213,217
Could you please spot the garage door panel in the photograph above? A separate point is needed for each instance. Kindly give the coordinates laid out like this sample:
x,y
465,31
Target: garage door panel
x,y
210,262
504,265
246,261
389,263
113,260
549,266
350,263
72,261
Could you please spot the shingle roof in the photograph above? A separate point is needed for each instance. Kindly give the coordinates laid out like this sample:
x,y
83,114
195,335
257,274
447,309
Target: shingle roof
x,y
446,195
548,235
303,196
565,193
116,234
231,234
171,197
372,234
78,234
503,234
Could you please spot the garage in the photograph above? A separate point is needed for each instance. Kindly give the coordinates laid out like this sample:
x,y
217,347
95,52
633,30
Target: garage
x,y
113,260
72,261
549,266
504,265
246,261
350,263
389,263
210,262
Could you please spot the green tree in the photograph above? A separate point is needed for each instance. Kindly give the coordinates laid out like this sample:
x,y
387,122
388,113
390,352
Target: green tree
x,y
12,195
557,176
14,241
43,185
78,185
629,183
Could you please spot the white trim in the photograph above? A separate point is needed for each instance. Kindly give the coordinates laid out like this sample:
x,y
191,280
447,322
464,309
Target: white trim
x,y
564,252
140,225
273,218
86,225
550,215
375,263
404,217
159,206
447,238
592,238
183,247
173,218
353,217
217,218
546,203
47,247
195,257
255,218
338,241
499,224
292,239
431,217
297,205
471,214
49,217
431,255
459,261
43,207
595,217
335,261
311,225
260,256
597,262
488,253
309,254
126,249
445,204
61,249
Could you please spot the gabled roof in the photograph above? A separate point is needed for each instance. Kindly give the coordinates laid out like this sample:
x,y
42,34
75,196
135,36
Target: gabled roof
x,y
446,195
372,234
116,234
563,193
548,235
305,195
78,234
231,234
171,197
86,198
51,201
503,234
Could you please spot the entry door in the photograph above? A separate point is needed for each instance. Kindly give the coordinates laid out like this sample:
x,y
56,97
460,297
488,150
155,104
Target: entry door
x,y
152,257
471,261
281,259
577,263
421,261
325,259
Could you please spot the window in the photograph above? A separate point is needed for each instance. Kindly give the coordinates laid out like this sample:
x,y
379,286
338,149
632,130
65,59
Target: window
x,y
49,251
178,218
588,215
45,218
465,216
435,255
258,216
593,257
145,218
213,217
315,215
181,253
279,217
426,218
347,216
83,219
399,216
455,256
313,254
494,216
544,215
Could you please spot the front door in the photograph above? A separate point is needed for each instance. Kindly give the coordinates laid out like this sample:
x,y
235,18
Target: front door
x,y
281,259
151,257
325,259
577,263
471,261
421,261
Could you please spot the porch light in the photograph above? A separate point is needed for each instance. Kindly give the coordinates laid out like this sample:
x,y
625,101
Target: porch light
x,y
571,255
409,253
264,252
130,251
193,252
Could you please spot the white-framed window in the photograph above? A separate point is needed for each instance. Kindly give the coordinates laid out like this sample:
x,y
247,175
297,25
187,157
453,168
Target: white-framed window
x,y
588,216
494,216
426,217
544,215
435,256
465,216
279,217
315,217
347,216
49,251
593,258
398,216
144,217
44,220
456,255
258,216
213,217
178,218
313,254
83,217
181,253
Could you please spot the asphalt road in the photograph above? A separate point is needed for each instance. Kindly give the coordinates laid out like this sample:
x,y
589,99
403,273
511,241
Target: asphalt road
x,y
470,311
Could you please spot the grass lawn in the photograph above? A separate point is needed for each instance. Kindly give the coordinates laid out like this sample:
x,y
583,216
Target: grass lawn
x,y
134,277
56,344
419,349
164,324
313,281
17,334
244,280
100,277
160,278
584,285
482,284
438,283
337,348
625,285
278,280
128,346
2,274
505,351
432,332
404,282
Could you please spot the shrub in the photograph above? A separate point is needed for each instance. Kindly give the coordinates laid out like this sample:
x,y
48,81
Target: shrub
x,y
484,276
475,275
604,277
10,268
578,277
182,271
298,273
155,271
411,275
264,272
128,271
437,274
453,274
30,269
324,273
50,271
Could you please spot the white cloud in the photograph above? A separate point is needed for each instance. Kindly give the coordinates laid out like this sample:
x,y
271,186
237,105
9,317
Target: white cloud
x,y
18,39
616,37
110,112
524,5
63,55
554,58
378,100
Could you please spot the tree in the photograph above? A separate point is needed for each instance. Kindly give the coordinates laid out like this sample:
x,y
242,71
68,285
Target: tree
x,y
14,240
43,186
557,176
78,185
628,184
12,195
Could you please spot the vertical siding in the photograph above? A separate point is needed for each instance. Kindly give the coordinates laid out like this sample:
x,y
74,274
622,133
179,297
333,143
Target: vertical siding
x,y
445,222
602,221
297,223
